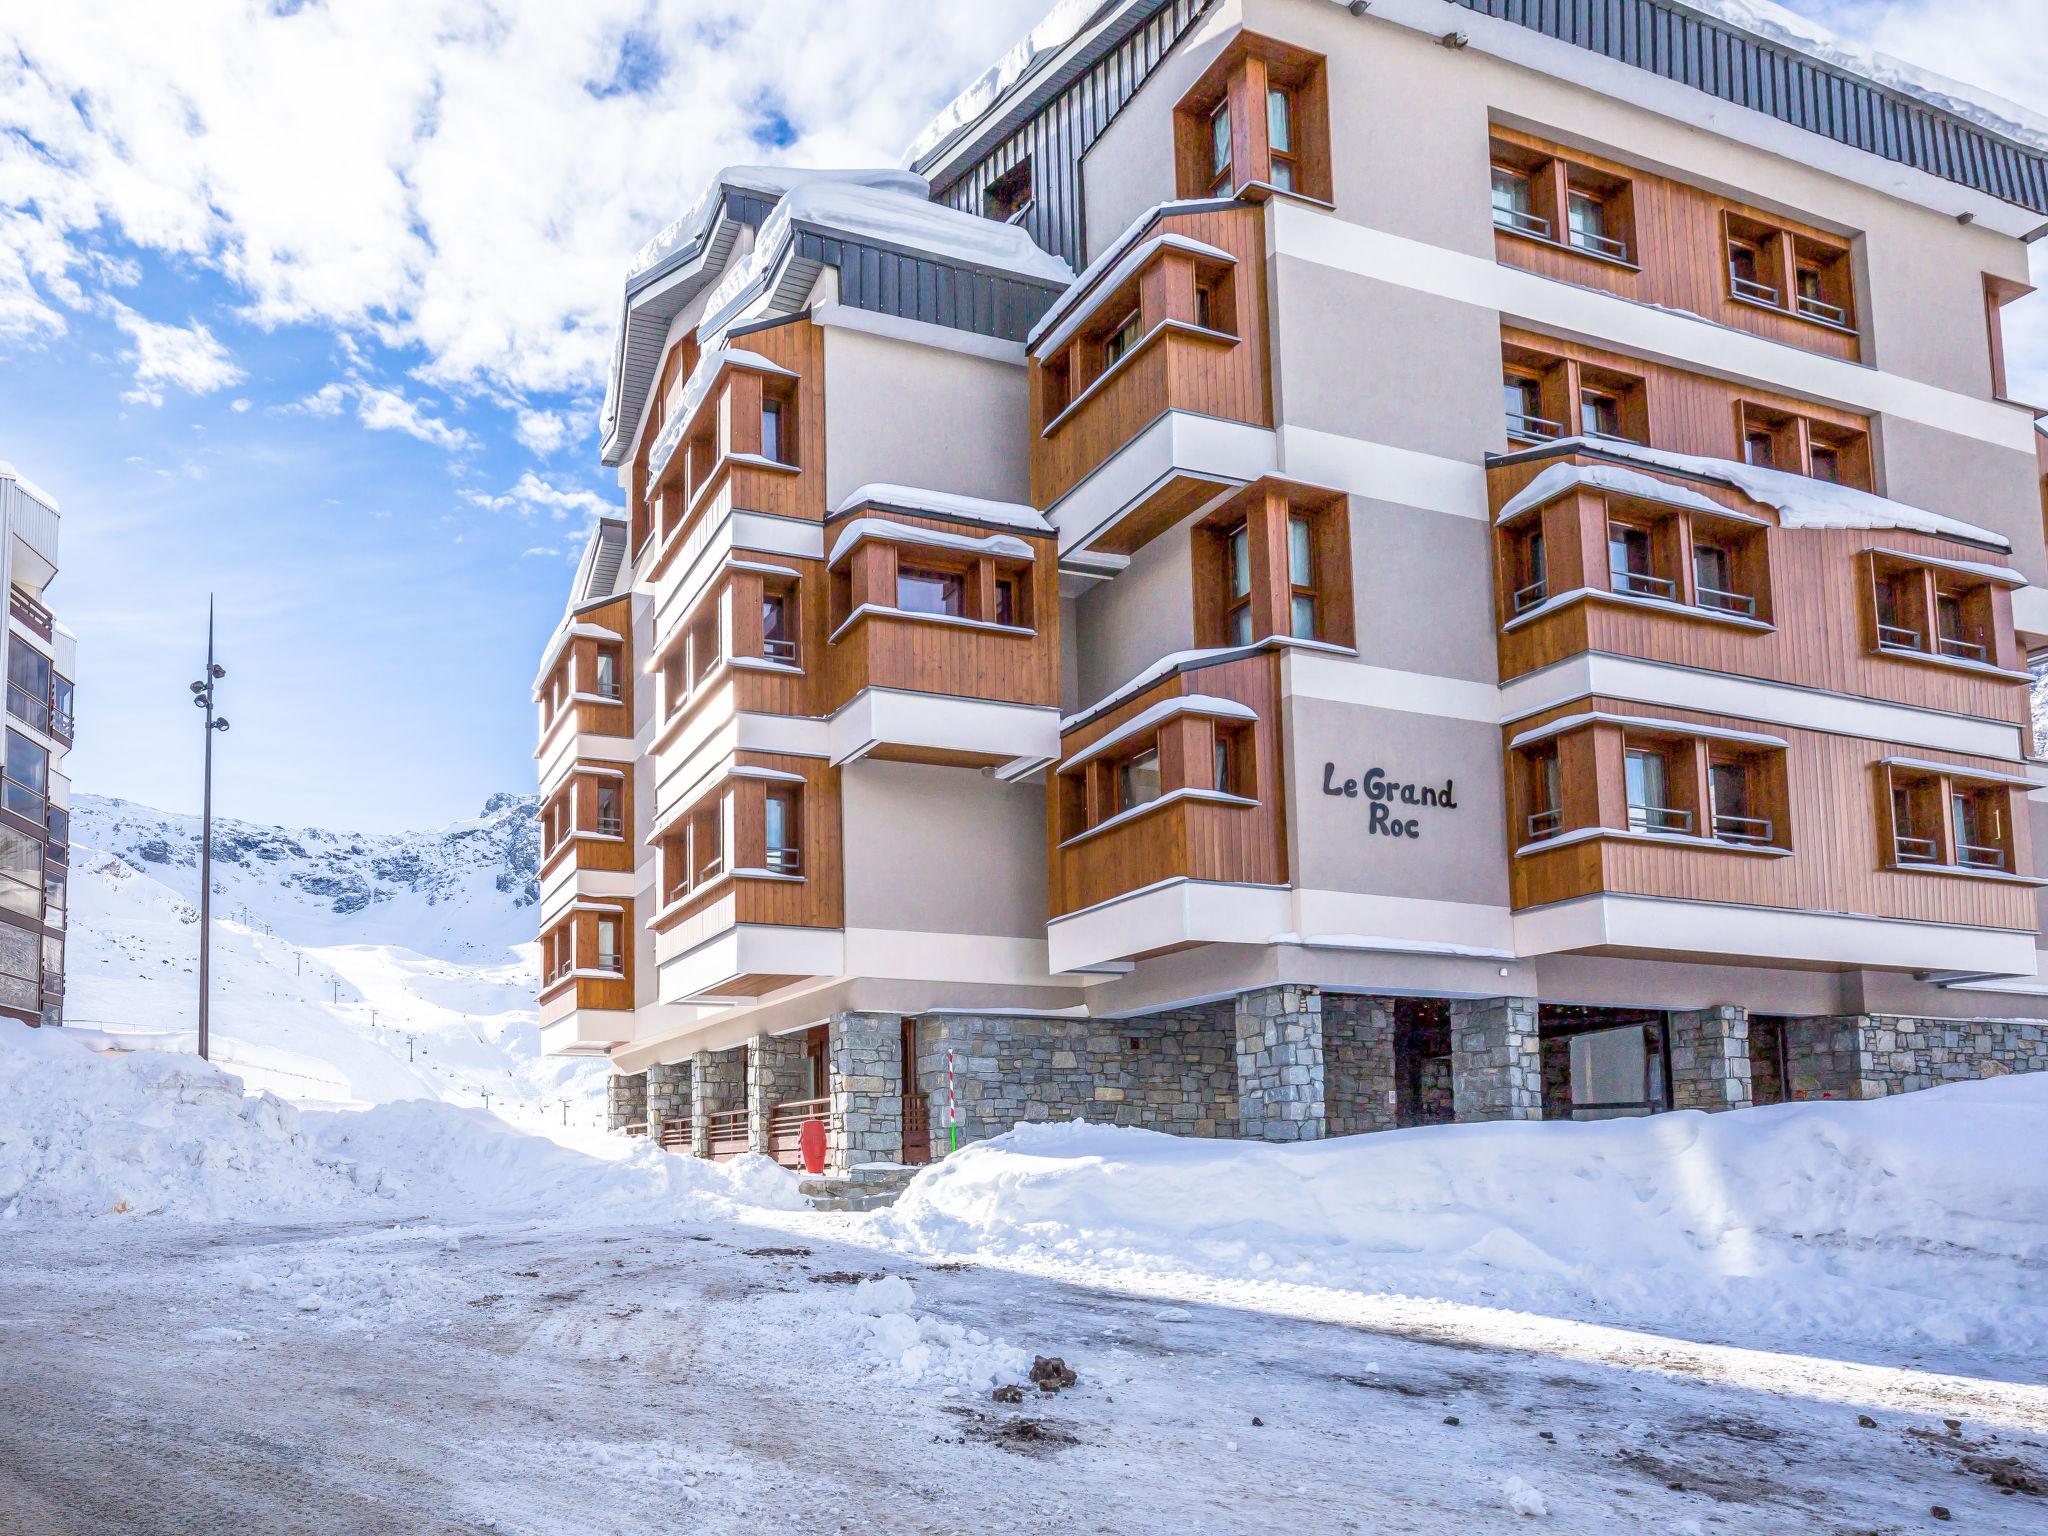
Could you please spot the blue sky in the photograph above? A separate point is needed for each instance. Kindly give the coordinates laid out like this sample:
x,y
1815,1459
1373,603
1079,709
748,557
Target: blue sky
x,y
310,307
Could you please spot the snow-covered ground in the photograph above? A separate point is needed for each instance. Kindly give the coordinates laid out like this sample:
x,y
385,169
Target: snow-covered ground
x,y
421,1318
348,969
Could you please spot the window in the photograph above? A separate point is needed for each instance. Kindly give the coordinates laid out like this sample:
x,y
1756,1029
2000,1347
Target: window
x,y
771,431
609,955
1513,203
1220,778
21,874
54,882
1713,575
1745,273
783,847
1137,780
20,969
1599,414
1129,331
1913,816
1008,198
1760,449
1301,578
1522,397
1729,785
1280,136
1897,627
1587,225
27,777
1980,827
607,674
1532,577
1628,563
1219,145
28,684
1825,463
61,706
675,681
60,832
1546,794
778,635
1006,600
943,593
1955,634
1649,794
610,822
1238,607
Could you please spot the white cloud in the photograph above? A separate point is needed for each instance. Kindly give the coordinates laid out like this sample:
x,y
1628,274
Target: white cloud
x,y
465,176
542,432
530,495
239,407
327,400
186,357
388,410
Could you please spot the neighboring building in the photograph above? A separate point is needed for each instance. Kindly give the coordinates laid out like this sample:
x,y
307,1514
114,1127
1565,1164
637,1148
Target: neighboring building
x,y
35,796
1502,590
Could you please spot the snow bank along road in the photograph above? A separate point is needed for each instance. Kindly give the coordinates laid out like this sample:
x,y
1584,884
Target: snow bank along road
x,y
219,1315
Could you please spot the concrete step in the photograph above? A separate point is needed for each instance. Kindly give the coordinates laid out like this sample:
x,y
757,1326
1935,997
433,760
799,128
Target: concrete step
x,y
868,1187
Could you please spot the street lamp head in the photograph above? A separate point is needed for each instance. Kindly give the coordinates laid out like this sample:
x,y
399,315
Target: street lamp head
x,y
201,700
220,725
218,670
199,687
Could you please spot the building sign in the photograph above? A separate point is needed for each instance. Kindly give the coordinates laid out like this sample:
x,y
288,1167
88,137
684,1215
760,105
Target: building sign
x,y
1387,799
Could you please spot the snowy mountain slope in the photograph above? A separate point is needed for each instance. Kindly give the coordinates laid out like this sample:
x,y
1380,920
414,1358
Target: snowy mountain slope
x,y
347,970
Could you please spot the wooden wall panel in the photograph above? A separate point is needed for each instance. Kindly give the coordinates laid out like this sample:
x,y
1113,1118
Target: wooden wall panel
x,y
1837,836
1680,255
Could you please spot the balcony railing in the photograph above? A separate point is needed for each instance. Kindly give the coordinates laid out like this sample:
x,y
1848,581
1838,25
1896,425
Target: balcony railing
x,y
1600,245
779,650
725,1134
1536,428
1914,850
1742,829
1896,637
611,965
1728,602
635,1128
611,826
786,1125
609,688
675,1134
1969,650
61,723
1749,288
1643,585
1521,222
710,871
1821,309
785,861
1659,818
31,613
1528,597
1980,856
1544,824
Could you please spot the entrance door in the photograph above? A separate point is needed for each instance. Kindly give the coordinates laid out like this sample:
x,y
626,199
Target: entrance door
x,y
1617,1072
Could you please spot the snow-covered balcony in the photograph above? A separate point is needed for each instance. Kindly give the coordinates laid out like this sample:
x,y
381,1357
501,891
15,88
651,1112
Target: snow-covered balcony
x,y
1150,383
942,638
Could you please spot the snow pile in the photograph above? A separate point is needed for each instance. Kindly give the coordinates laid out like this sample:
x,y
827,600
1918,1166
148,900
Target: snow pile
x,y
922,1350
974,509
1900,1222
152,1133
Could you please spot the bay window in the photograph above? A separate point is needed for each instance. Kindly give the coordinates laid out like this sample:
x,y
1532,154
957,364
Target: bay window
x,y
20,970
1647,779
1137,780
942,593
782,838
610,951
1257,117
1274,561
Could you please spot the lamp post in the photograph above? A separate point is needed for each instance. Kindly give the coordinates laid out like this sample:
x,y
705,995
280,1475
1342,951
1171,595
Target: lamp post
x,y
202,695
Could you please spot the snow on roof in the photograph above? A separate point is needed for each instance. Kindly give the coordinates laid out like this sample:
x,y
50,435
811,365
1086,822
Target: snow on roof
x,y
1800,502
1006,545
1560,478
1060,26
770,181
1973,104
27,486
973,509
694,390
1109,272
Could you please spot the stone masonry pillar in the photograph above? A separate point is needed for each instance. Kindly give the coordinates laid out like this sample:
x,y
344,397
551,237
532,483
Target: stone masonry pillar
x,y
1496,1060
1832,1057
668,1094
867,1087
718,1085
625,1100
1280,1089
775,1075
1710,1058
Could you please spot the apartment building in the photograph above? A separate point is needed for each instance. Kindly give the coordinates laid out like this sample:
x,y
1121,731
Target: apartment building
x,y
35,793
1308,568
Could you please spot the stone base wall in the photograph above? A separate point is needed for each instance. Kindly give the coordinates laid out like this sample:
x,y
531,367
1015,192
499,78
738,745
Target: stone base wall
x,y
867,1088
1824,1059
718,1085
625,1099
1710,1067
1496,1061
775,1075
669,1093
1359,1064
1281,1077
1173,1072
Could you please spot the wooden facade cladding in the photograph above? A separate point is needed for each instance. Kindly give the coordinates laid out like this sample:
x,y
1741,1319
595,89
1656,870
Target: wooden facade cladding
x,y
574,954
1828,797
1669,243
586,669
1144,350
1001,644
725,635
588,817
1681,412
1216,817
1257,120
717,848
1803,606
1275,560
724,453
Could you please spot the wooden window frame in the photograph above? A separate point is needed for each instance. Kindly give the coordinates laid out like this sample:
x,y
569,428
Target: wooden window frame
x,y
1999,292
1554,179
1934,801
786,858
1185,750
1264,513
1235,88
1782,256
1794,435
1562,384
1906,598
